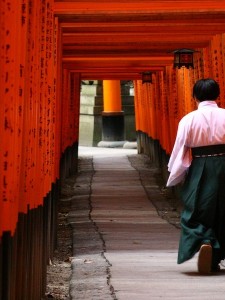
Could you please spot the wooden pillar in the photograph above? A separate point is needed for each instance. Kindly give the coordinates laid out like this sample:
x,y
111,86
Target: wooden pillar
x,y
112,96
112,116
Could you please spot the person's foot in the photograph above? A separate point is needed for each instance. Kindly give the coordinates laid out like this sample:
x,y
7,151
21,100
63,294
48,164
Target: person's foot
x,y
205,259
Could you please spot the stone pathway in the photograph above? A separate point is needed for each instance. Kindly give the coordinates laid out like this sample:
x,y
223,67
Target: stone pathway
x,y
124,247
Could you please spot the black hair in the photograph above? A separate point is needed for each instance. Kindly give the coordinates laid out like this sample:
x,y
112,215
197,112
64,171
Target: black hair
x,y
206,89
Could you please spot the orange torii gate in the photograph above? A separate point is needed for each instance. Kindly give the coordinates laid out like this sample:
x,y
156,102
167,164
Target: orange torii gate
x,y
47,47
163,103
39,129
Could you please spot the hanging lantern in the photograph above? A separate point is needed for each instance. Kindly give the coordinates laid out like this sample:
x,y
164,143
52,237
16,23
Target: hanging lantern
x,y
183,58
146,77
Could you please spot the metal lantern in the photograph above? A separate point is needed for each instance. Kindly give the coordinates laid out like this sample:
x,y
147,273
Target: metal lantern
x,y
183,58
146,77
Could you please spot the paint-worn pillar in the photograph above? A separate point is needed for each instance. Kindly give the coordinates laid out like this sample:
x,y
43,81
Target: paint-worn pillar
x,y
112,116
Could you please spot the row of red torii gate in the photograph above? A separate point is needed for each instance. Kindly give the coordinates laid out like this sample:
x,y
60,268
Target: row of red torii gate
x,y
39,113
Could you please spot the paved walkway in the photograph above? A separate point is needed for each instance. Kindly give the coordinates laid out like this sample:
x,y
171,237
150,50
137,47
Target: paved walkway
x,y
122,248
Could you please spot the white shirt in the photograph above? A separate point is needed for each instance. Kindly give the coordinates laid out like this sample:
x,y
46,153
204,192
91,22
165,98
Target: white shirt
x,y
202,127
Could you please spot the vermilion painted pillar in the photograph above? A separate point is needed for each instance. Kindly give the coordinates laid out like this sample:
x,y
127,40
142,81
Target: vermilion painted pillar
x,y
112,96
112,116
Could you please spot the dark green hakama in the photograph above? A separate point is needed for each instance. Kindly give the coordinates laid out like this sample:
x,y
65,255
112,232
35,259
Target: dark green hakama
x,y
203,217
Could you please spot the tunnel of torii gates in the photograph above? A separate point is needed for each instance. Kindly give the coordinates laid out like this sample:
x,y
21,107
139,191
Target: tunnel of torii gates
x,y
47,48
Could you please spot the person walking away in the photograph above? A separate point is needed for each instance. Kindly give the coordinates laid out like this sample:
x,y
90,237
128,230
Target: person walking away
x,y
198,162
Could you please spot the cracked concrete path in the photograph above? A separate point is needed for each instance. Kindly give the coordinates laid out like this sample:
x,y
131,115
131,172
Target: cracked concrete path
x,y
122,248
